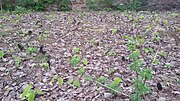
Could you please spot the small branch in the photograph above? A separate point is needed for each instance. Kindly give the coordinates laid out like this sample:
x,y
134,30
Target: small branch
x,y
154,59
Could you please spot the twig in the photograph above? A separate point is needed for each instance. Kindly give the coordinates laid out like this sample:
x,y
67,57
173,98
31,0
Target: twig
x,y
154,59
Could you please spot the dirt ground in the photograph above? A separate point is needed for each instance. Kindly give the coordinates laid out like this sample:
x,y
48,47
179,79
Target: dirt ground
x,y
107,53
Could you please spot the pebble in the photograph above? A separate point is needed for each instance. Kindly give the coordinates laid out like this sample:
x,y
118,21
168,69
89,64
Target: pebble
x,y
2,69
1,85
162,99
107,95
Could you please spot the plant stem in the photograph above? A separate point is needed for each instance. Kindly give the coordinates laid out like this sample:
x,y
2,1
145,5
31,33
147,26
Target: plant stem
x,y
104,85
154,59
137,76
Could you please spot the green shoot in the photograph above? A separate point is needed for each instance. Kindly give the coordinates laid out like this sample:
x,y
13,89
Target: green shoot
x,y
75,60
2,54
29,93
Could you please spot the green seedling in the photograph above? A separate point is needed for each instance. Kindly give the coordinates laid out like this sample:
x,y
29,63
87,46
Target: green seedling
x,y
60,81
76,50
76,83
42,37
142,73
141,16
31,50
148,50
2,54
19,60
165,22
115,84
45,65
29,93
75,60
85,62
114,31
81,71
54,78
156,61
164,54
111,53
102,79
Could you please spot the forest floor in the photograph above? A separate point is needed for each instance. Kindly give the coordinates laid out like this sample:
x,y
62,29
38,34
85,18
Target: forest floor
x,y
31,41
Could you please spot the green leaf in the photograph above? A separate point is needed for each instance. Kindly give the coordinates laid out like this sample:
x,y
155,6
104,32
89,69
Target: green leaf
x,y
136,65
76,83
146,74
114,31
117,80
60,81
46,65
19,60
114,86
146,50
89,78
54,77
26,91
111,53
164,54
85,62
81,71
135,54
1,54
75,60
102,79
132,47
31,96
156,61
76,50
138,39
31,49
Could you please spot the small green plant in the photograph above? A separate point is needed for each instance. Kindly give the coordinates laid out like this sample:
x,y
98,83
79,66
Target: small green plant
x,y
45,65
75,60
2,54
148,50
114,31
31,50
81,71
102,79
29,93
163,54
54,78
42,37
115,84
111,53
76,50
19,60
76,83
142,73
85,62
60,81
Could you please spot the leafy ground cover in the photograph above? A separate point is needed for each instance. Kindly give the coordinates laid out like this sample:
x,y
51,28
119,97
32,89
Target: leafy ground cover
x,y
75,56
